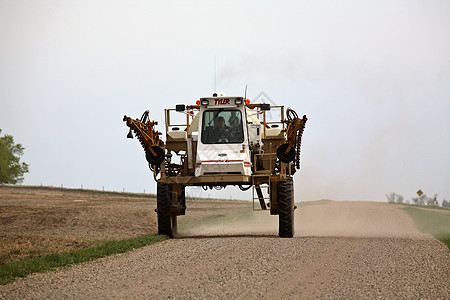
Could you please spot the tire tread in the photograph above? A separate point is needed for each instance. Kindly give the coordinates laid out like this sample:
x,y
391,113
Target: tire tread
x,y
286,211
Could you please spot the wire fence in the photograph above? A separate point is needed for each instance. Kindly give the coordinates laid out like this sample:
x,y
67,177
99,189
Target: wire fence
x,y
81,188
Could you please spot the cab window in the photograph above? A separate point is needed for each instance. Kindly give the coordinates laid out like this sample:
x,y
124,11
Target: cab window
x,y
222,127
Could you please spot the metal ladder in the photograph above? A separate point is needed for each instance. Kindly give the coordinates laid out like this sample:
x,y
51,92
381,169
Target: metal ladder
x,y
259,194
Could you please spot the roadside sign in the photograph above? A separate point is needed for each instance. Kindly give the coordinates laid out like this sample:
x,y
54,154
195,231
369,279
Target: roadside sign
x,y
420,193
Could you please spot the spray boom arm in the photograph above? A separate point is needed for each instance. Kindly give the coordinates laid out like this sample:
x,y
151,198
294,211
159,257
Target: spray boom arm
x,y
144,129
289,151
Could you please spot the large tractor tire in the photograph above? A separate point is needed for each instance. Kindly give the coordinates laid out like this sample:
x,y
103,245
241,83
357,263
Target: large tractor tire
x,y
286,209
163,202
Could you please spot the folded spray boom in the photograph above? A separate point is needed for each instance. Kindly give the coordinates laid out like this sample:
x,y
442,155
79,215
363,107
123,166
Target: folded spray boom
x,y
145,132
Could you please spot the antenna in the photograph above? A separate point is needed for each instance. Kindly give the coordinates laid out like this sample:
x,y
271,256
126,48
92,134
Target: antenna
x,y
245,94
215,74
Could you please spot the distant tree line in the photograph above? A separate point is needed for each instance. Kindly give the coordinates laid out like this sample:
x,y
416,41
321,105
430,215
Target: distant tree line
x,y
420,200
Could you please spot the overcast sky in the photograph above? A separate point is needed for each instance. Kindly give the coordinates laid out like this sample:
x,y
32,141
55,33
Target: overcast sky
x,y
373,77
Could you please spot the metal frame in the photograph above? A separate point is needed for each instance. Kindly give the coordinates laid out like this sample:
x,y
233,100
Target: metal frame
x,y
259,179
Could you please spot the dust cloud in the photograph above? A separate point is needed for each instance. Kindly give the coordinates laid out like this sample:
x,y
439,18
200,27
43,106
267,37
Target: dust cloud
x,y
254,223
322,218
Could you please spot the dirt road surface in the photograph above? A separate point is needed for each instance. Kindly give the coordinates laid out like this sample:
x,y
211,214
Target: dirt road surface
x,y
341,250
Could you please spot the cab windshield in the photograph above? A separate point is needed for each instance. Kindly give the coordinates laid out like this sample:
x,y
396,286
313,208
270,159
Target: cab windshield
x,y
222,127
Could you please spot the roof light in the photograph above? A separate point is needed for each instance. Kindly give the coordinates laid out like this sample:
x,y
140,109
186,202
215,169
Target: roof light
x,y
247,101
238,101
205,102
197,102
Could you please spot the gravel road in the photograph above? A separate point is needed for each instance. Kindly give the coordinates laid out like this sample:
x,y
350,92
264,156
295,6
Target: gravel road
x,y
370,250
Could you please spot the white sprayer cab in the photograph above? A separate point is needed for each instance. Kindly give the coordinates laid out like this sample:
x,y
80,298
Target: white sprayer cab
x,y
223,136
220,143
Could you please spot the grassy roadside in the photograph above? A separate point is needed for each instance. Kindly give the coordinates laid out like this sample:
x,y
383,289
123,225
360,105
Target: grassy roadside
x,y
433,222
16,247
10,271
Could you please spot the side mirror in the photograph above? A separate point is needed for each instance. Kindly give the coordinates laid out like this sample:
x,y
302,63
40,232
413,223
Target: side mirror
x,y
180,107
264,106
